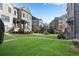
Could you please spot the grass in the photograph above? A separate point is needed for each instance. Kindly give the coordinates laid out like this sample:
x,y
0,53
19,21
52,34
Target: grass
x,y
7,37
37,47
51,36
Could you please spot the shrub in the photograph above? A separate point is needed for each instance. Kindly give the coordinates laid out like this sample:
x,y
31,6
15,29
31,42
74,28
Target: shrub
x,y
51,31
45,32
21,31
76,43
60,36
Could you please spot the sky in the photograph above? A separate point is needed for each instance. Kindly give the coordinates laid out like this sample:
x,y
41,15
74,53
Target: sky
x,y
45,11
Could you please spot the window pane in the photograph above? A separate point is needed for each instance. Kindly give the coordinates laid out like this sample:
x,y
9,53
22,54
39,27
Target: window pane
x,y
27,16
9,9
0,6
23,15
5,18
14,12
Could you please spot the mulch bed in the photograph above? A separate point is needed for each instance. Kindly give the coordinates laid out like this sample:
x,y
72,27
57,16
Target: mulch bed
x,y
75,48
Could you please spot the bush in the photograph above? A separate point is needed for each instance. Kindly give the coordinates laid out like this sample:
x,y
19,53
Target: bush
x,y
1,38
51,31
76,43
45,32
21,31
60,36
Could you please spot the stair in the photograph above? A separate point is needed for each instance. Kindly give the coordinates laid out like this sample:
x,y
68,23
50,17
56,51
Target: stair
x,y
16,29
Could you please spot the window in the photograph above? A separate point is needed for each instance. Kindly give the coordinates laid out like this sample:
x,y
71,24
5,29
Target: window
x,y
1,6
9,9
28,24
14,12
60,22
71,26
27,16
5,18
23,15
71,6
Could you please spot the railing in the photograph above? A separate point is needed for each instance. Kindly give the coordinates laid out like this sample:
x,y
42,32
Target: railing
x,y
70,35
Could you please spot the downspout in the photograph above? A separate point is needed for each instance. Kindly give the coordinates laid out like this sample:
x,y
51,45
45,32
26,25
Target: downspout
x,y
74,22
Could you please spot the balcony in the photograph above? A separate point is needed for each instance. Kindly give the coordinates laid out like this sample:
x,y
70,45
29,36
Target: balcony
x,y
70,20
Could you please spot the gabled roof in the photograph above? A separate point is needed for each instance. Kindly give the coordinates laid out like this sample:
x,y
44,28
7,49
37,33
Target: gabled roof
x,y
26,9
34,18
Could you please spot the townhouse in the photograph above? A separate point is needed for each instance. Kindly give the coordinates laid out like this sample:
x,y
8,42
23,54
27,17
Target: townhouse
x,y
36,24
59,24
15,19
6,15
22,20
26,19
73,20
62,23
54,24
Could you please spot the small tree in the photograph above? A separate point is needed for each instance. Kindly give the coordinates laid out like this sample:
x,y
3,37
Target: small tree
x,y
45,32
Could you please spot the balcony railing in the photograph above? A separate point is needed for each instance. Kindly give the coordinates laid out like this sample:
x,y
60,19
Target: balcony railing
x,y
70,19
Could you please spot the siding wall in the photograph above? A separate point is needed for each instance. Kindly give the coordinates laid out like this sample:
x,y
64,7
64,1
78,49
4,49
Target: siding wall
x,y
4,11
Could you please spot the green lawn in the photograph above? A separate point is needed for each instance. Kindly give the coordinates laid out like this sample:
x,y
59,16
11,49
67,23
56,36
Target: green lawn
x,y
52,36
36,47
7,37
